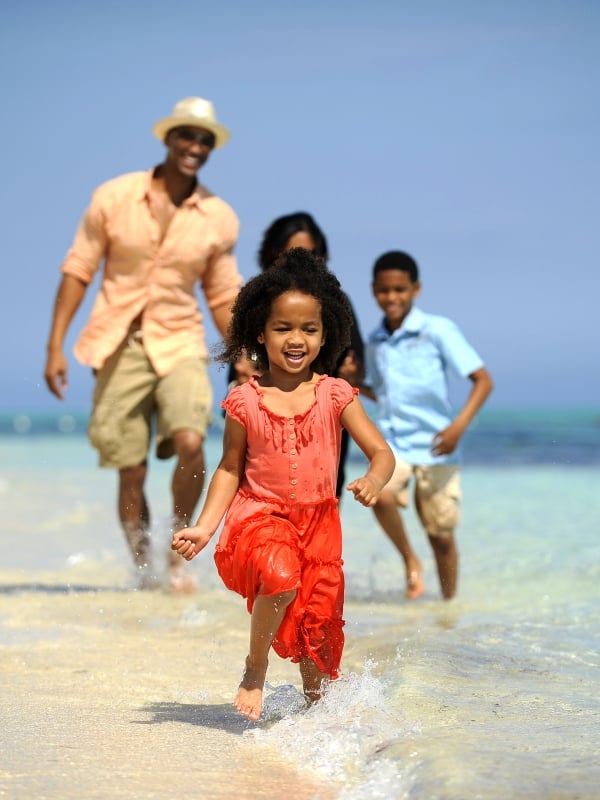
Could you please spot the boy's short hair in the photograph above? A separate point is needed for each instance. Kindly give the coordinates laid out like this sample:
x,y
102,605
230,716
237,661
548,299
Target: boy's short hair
x,y
396,259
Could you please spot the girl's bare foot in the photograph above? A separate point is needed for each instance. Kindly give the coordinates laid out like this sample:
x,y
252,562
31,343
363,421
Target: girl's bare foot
x,y
312,695
313,680
414,584
248,700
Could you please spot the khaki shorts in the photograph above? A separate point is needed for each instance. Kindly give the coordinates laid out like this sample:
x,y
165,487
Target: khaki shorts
x,y
437,494
130,397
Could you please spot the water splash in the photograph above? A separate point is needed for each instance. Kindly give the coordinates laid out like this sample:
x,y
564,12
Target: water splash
x,y
341,736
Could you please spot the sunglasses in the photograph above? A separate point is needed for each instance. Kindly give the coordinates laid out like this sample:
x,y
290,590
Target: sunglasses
x,y
203,138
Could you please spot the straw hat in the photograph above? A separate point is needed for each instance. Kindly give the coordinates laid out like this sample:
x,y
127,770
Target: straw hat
x,y
196,112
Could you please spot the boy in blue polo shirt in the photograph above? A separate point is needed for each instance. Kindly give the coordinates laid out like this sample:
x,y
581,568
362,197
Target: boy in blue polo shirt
x,y
408,359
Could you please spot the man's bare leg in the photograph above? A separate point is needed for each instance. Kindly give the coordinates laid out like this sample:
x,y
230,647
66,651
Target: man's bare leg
x,y
388,516
186,487
312,680
446,557
134,513
267,615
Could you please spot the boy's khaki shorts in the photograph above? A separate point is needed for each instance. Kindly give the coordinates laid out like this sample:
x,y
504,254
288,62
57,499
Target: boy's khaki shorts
x,y
129,398
437,494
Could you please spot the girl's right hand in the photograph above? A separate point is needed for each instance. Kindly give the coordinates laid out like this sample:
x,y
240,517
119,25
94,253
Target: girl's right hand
x,y
188,542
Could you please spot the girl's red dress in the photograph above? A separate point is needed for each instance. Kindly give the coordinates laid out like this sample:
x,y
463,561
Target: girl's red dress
x,y
282,530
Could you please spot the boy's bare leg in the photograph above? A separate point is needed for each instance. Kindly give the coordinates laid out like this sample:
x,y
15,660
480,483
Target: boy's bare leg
x,y
312,680
134,513
186,486
267,615
446,557
388,516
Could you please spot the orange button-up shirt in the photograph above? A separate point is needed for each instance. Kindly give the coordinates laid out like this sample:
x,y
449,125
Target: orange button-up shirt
x,y
143,275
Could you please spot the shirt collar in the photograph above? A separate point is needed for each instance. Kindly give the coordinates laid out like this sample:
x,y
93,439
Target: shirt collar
x,y
144,187
195,199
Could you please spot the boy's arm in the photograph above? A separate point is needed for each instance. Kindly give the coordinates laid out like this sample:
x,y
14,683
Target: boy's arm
x,y
446,441
221,491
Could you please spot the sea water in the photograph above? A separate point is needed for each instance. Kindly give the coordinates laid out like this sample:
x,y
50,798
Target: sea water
x,y
494,694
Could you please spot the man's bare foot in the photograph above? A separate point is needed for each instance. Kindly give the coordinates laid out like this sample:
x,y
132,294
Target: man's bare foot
x,y
147,579
181,579
248,700
414,584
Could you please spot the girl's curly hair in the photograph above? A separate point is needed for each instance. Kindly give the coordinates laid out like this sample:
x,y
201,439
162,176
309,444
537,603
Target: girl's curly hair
x,y
296,270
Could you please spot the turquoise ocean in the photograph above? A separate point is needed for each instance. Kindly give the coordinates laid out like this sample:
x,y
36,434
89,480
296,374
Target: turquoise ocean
x,y
495,694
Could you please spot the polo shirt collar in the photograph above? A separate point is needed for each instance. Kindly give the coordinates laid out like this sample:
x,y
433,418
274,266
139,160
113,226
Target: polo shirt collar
x,y
415,319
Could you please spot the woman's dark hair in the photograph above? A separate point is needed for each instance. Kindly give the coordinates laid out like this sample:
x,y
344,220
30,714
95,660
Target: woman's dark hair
x,y
296,270
281,230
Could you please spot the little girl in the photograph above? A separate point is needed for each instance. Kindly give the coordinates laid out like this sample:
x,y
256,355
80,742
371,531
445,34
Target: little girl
x,y
281,543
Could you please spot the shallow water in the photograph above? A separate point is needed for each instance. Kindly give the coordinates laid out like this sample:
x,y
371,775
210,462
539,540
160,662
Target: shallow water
x,y
110,692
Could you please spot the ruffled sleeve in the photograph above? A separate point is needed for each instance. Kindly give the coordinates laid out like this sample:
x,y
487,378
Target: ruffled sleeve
x,y
235,405
341,394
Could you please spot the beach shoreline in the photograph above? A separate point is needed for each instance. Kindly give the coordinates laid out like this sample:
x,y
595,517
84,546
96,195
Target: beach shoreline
x,y
107,692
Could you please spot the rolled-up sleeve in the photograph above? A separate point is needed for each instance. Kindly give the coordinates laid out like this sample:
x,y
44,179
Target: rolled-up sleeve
x,y
89,245
221,280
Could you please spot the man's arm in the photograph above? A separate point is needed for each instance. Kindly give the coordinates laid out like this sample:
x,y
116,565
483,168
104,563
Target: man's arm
x,y
70,294
222,316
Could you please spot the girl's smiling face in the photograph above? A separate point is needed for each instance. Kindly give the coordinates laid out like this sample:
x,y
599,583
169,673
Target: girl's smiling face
x,y
293,334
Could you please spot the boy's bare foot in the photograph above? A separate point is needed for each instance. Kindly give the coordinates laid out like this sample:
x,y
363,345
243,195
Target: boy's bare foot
x,y
248,700
414,584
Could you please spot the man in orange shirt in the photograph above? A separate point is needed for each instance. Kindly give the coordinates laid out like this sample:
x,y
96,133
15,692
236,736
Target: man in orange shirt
x,y
157,233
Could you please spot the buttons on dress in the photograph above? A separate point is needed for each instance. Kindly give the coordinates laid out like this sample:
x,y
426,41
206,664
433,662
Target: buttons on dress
x,y
293,452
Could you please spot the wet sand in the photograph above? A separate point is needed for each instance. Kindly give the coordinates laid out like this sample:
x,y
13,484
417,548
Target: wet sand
x,y
113,693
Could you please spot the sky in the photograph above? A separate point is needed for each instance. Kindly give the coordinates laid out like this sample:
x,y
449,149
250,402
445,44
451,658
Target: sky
x,y
465,133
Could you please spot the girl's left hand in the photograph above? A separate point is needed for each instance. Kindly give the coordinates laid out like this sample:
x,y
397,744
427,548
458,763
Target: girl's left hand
x,y
365,490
